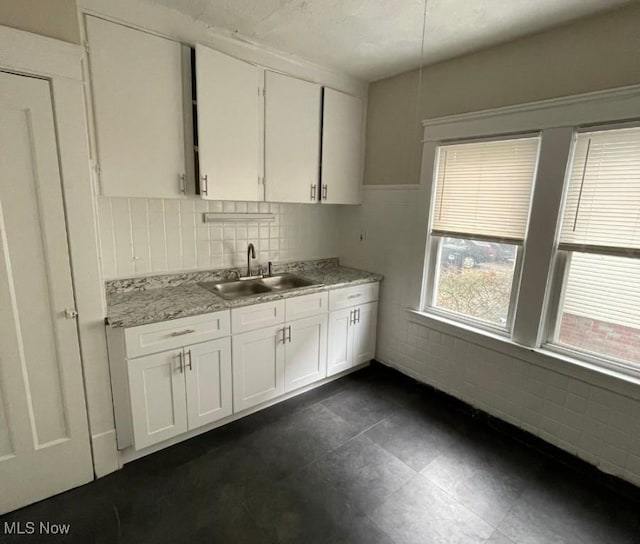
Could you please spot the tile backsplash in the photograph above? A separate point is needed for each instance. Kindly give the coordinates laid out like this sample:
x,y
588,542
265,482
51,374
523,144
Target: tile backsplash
x,y
148,236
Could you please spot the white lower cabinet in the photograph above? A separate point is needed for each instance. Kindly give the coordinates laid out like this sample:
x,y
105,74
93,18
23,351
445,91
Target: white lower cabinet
x,y
258,366
305,352
352,337
175,391
275,348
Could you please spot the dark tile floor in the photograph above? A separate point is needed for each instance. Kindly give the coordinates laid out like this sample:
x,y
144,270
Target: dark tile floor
x,y
372,458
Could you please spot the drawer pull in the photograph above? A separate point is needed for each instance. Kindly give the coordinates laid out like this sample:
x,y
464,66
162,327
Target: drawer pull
x,y
182,333
356,295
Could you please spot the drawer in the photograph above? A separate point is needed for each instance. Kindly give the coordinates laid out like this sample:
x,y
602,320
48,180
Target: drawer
x,y
257,316
306,305
176,333
352,296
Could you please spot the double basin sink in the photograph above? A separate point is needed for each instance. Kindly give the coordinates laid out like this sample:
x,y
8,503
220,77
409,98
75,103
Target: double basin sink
x,y
231,290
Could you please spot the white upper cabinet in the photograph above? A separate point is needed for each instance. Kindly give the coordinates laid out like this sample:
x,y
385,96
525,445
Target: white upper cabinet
x,y
342,148
229,125
292,139
136,82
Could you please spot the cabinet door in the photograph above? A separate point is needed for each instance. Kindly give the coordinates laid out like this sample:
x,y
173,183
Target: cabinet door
x,y
292,139
258,367
342,148
158,398
305,352
228,126
364,333
136,82
339,346
208,381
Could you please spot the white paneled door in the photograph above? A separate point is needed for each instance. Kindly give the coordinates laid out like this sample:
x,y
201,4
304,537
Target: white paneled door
x,y
44,441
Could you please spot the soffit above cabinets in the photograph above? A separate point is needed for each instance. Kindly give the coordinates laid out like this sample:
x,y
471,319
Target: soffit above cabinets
x,y
372,39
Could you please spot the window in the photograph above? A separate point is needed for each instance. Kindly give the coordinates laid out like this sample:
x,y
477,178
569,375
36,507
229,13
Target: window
x,y
480,213
598,311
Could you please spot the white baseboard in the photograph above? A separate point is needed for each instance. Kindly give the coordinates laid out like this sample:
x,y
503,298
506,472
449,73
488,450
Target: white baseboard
x,y
105,453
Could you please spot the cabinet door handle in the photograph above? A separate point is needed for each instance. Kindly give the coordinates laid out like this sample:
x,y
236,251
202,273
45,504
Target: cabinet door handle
x,y
324,192
182,333
351,318
182,186
284,334
358,314
289,337
190,361
181,362
204,186
313,191
356,295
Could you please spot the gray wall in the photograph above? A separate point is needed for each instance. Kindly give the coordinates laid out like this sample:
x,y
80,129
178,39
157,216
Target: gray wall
x,y
52,18
588,55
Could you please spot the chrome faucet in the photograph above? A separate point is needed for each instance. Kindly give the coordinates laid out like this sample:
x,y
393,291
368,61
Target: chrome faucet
x,y
251,254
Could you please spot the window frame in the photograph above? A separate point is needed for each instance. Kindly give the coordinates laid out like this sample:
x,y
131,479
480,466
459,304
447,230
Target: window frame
x,y
557,121
431,270
561,266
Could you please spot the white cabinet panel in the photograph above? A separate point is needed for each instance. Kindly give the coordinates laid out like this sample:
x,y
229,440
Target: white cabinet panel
x,y
158,397
208,381
136,82
306,305
306,352
339,345
352,296
364,333
166,335
229,125
342,148
292,139
258,367
257,316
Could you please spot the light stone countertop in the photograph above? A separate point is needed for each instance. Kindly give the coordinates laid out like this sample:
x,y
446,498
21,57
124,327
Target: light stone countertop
x,y
140,301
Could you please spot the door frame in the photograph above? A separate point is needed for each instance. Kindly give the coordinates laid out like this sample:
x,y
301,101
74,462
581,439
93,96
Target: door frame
x,y
60,63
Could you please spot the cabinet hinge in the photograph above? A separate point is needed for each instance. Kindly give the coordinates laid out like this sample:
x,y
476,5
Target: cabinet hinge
x,y
85,46
262,91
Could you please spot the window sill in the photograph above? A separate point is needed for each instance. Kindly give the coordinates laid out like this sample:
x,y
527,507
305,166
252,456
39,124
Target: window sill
x,y
617,380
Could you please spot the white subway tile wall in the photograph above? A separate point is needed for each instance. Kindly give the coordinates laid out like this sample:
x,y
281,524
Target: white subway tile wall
x,y
149,236
596,423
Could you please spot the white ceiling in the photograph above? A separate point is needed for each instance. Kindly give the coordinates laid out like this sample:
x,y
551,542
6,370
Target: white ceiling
x,y
372,39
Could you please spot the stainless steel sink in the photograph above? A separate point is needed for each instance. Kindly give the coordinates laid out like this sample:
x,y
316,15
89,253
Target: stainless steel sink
x,y
230,290
282,282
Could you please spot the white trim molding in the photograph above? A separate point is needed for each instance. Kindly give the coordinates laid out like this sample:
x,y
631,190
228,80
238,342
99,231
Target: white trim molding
x,y
28,53
60,63
570,111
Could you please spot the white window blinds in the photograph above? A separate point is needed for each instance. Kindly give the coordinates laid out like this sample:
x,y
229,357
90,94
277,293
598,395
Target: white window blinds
x,y
602,206
483,189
